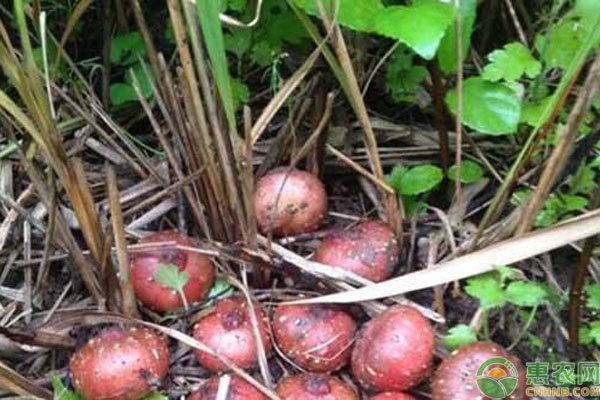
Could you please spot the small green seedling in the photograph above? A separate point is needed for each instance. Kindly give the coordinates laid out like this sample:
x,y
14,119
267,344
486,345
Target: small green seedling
x,y
169,276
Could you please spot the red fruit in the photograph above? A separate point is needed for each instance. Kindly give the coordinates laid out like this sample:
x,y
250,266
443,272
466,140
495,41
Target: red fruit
x,y
120,364
144,265
316,337
227,329
369,249
315,387
239,389
393,396
394,350
289,203
456,378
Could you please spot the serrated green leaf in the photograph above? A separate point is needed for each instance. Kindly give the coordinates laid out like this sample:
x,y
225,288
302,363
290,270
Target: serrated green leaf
x,y
446,54
562,43
421,26
402,78
127,48
470,172
61,392
592,292
420,179
526,294
169,276
459,336
263,53
590,333
511,63
488,107
488,289
583,181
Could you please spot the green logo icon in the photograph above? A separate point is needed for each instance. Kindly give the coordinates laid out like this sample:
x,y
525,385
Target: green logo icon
x,y
497,378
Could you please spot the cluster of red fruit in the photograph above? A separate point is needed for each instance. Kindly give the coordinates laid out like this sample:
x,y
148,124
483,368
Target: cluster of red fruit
x,y
390,354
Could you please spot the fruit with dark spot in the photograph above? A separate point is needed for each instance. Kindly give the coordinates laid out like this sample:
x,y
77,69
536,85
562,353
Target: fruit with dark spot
x,y
393,396
369,249
145,263
316,337
239,389
289,203
311,386
456,378
120,364
394,350
227,329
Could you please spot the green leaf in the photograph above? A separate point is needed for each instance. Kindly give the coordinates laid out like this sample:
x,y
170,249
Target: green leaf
x,y
238,41
221,288
394,178
212,33
264,54
592,292
590,333
360,15
459,336
169,276
562,44
241,93
156,396
488,289
123,92
402,78
418,180
526,294
583,181
446,54
236,5
126,49
61,392
470,172
421,26
534,111
511,63
488,107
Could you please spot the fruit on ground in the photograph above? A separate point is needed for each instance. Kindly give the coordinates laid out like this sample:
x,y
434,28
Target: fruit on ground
x,y
369,249
456,378
289,202
311,386
239,389
394,350
393,396
227,329
120,364
316,337
145,264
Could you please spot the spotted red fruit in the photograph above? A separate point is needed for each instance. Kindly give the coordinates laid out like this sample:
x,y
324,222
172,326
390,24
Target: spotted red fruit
x,y
369,249
239,389
394,350
227,329
289,203
144,265
317,337
456,378
393,396
311,386
120,364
